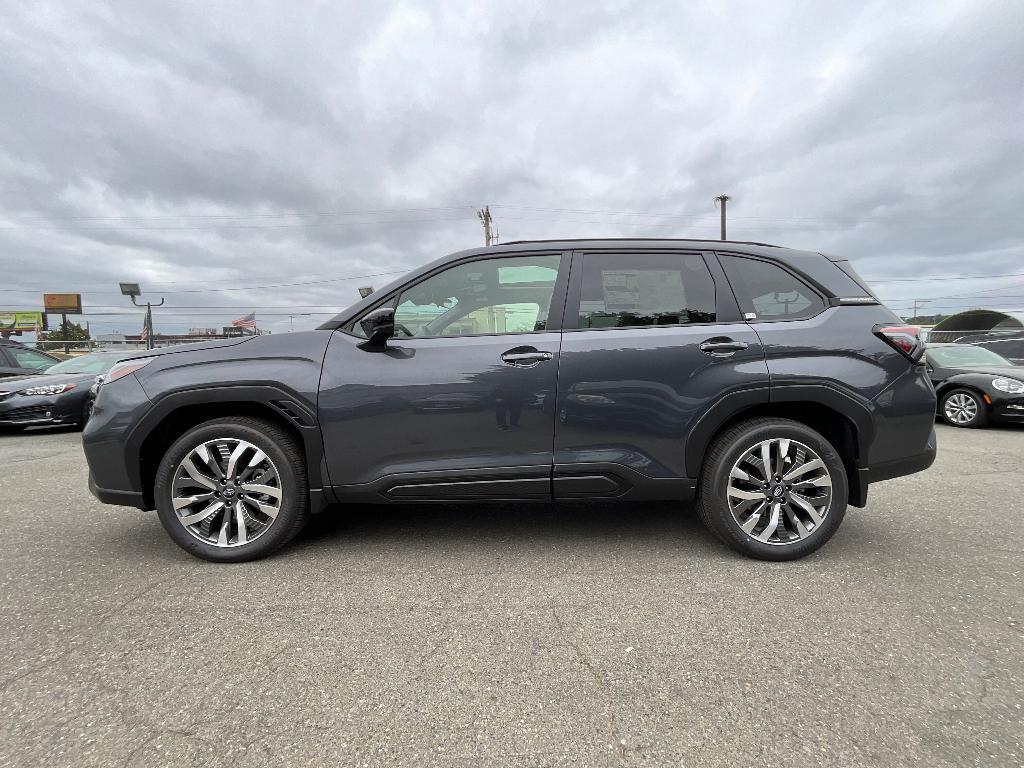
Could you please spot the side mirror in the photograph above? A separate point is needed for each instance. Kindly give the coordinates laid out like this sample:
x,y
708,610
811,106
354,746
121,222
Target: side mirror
x,y
378,325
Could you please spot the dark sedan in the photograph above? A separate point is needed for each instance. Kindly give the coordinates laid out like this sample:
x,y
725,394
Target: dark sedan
x,y
975,385
62,394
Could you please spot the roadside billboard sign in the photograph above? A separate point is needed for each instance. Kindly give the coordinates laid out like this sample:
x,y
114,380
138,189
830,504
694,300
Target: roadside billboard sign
x,y
63,303
16,322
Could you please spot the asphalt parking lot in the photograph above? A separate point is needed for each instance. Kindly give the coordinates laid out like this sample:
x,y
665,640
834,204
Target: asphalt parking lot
x,y
516,635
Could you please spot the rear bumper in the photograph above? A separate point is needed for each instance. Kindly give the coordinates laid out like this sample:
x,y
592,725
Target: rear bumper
x,y
905,465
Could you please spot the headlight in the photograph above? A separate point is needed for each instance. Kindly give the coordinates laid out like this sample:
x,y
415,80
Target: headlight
x,y
48,389
122,369
1012,386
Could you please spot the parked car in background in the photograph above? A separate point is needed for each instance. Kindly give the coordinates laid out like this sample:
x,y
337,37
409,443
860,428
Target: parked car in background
x,y
1010,347
61,394
18,360
974,385
768,383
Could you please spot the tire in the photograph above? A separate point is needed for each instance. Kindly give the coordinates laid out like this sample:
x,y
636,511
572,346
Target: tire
x,y
277,483
966,405
797,533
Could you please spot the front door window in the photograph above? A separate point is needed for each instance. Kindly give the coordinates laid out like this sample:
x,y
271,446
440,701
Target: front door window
x,y
485,297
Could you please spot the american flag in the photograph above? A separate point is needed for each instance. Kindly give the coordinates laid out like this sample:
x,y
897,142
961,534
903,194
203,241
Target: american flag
x,y
144,336
246,321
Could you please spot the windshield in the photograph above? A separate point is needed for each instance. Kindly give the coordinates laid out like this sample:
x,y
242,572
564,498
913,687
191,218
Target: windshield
x,y
85,364
962,355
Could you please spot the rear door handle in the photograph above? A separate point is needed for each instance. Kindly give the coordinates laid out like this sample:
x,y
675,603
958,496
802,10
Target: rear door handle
x,y
722,347
525,359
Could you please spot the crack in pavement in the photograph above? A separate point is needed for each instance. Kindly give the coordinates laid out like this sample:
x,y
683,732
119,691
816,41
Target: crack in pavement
x,y
602,680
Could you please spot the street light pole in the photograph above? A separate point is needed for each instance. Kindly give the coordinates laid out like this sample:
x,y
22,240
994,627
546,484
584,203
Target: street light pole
x,y
133,290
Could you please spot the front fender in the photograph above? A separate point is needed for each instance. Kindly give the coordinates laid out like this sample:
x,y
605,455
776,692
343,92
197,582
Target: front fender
x,y
982,382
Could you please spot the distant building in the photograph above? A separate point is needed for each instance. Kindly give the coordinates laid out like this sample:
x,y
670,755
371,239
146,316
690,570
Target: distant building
x,y
978,324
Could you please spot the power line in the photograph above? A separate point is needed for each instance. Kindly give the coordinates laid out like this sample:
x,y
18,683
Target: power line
x,y
923,278
234,288
278,214
195,228
675,215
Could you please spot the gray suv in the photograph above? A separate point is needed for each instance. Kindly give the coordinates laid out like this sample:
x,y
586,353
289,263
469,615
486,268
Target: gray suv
x,y
767,384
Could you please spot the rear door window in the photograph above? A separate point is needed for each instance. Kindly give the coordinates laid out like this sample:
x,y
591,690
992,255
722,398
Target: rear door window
x,y
629,290
770,292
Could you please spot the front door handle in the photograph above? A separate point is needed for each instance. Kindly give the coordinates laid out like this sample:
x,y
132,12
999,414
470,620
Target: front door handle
x,y
722,347
522,358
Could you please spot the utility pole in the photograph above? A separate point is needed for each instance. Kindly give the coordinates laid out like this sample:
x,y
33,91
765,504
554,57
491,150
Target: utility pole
x,y
721,200
484,214
919,303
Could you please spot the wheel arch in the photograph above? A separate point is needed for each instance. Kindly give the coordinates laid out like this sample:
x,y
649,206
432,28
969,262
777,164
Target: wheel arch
x,y
964,381
848,432
175,414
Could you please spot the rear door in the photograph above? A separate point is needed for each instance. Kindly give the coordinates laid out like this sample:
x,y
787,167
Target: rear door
x,y
652,340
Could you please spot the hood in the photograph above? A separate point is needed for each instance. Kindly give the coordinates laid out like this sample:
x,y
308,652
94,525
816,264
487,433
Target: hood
x,y
18,383
199,345
1006,371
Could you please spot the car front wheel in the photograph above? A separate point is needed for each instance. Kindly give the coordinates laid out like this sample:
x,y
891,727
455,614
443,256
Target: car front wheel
x,y
232,489
774,489
963,408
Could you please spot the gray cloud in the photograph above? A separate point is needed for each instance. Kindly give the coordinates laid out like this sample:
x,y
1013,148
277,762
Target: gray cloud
x,y
196,146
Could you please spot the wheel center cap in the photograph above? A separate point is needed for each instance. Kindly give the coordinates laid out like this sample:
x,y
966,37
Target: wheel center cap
x,y
778,491
229,492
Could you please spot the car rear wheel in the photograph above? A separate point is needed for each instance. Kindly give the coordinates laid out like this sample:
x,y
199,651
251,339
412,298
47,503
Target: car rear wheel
x,y
233,489
773,489
963,408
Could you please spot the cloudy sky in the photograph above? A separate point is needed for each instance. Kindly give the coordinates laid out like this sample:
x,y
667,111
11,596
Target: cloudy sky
x,y
272,157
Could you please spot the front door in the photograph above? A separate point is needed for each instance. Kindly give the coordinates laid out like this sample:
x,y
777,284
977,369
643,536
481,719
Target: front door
x,y
460,403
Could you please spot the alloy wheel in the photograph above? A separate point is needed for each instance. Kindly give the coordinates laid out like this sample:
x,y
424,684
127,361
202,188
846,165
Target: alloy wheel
x,y
961,408
779,491
226,492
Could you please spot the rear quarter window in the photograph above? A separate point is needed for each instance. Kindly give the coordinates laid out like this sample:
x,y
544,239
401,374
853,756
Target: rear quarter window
x,y
770,292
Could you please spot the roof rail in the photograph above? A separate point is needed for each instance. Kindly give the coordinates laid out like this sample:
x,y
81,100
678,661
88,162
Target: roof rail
x,y
638,239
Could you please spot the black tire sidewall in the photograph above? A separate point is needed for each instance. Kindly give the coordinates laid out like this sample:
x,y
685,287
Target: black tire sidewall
x,y
980,418
715,481
281,450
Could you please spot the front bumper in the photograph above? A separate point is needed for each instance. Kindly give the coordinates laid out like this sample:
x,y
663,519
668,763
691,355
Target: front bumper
x,y
114,472
1007,408
31,410
114,496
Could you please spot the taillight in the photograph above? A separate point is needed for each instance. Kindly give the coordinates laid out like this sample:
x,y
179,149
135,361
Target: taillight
x,y
903,338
